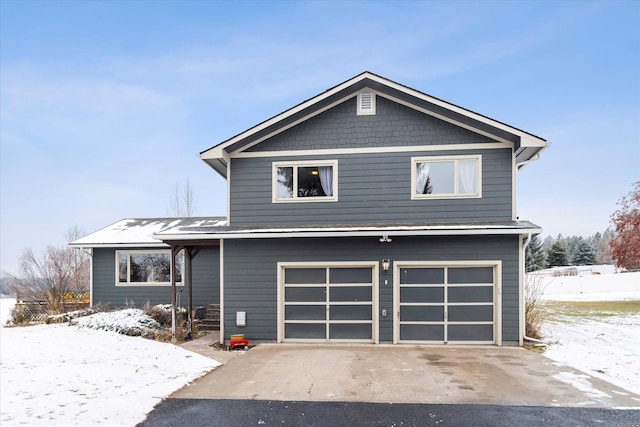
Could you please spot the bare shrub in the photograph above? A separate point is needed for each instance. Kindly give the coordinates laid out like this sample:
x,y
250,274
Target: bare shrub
x,y
534,312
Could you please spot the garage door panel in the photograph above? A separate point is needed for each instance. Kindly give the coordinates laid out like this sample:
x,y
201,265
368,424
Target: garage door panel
x,y
305,331
470,294
421,276
474,313
461,275
352,331
328,302
303,276
470,332
350,293
422,294
422,313
410,332
305,312
460,308
350,275
350,312
305,294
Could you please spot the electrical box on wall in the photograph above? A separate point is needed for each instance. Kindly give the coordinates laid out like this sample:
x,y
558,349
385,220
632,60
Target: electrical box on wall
x,y
241,318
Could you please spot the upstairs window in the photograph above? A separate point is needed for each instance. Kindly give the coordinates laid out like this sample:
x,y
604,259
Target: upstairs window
x,y
147,267
305,181
446,177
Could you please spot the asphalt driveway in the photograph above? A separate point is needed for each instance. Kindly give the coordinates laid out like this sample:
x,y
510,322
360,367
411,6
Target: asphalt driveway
x,y
404,374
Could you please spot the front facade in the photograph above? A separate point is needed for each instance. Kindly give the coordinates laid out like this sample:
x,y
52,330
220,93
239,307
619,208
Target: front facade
x,y
369,213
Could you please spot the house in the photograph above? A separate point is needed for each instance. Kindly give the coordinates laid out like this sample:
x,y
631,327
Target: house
x,y
370,213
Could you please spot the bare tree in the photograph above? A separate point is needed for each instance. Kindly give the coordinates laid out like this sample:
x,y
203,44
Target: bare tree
x,y
183,203
51,276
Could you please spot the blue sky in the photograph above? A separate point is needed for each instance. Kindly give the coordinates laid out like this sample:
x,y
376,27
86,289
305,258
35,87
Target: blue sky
x,y
104,106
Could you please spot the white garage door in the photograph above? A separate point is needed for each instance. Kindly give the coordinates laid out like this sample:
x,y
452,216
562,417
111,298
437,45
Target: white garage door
x,y
328,303
445,304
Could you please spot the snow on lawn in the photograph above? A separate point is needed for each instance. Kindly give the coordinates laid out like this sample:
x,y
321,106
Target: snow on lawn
x,y
603,344
604,347
60,375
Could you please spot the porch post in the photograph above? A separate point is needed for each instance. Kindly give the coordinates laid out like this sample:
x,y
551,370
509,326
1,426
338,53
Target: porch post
x,y
188,274
174,251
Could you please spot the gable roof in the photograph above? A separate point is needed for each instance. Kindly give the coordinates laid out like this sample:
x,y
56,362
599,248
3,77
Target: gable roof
x,y
139,232
526,145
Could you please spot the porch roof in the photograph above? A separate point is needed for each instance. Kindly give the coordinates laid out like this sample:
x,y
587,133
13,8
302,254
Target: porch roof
x,y
140,232
194,232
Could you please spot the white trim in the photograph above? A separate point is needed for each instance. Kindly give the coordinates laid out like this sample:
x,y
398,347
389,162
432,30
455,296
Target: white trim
x,y
90,277
228,193
295,165
129,284
158,245
445,159
372,150
221,291
375,304
497,298
526,140
371,111
514,187
346,232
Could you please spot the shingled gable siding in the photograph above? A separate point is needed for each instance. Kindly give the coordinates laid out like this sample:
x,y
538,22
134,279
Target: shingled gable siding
x,y
251,273
372,188
392,125
206,282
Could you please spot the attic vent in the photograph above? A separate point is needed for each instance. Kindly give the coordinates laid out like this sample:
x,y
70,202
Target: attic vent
x,y
366,103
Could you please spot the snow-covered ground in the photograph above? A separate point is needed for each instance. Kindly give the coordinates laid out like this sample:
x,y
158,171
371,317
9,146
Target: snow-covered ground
x,y
61,375
607,347
6,305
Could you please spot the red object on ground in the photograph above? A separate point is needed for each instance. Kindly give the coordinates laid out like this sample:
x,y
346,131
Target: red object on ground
x,y
238,343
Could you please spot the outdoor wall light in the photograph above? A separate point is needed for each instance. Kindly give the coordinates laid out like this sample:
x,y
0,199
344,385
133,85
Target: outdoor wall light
x,y
385,239
386,264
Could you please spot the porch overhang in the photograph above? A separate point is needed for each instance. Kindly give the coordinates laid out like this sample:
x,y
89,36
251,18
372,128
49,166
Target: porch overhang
x,y
191,235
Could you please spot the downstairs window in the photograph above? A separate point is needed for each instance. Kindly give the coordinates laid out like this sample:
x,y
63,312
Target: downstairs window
x,y
147,267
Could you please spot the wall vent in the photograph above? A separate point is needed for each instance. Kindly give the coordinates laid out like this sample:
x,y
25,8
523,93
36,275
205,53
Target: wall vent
x,y
366,103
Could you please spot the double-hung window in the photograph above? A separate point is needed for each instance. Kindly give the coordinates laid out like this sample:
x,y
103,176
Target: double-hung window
x,y
441,177
308,181
150,267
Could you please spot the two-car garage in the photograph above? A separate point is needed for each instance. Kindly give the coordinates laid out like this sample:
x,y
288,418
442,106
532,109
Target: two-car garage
x,y
453,302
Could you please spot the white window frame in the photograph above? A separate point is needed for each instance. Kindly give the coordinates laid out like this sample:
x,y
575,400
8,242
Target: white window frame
x,y
129,252
456,194
307,163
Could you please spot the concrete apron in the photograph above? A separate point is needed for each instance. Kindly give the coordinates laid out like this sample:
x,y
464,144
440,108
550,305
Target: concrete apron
x,y
405,374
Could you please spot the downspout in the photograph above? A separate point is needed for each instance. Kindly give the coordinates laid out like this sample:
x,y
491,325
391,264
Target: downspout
x,y
524,272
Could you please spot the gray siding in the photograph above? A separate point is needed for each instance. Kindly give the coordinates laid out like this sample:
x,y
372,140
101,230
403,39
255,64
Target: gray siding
x,y
393,125
206,282
250,281
372,188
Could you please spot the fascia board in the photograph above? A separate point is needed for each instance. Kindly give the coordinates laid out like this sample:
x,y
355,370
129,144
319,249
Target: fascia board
x,y
119,245
216,151
364,233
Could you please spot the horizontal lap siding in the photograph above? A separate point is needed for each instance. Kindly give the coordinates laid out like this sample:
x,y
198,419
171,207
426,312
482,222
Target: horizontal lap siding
x,y
251,273
372,188
206,282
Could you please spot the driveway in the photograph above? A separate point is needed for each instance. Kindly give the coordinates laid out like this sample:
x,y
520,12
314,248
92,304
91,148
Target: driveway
x,y
404,374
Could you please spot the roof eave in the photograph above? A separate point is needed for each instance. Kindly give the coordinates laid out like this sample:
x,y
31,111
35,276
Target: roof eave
x,y
352,233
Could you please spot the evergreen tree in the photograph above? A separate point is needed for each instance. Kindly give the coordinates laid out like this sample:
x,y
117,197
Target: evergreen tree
x,y
584,254
557,256
535,255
